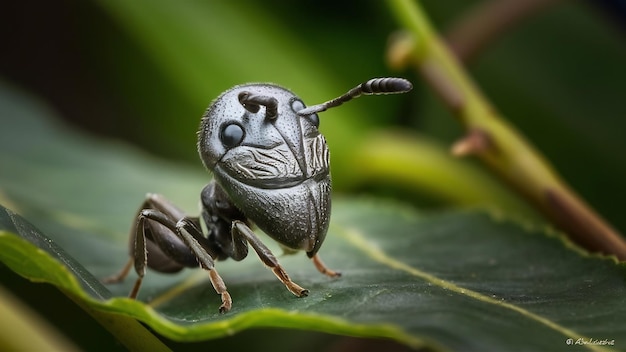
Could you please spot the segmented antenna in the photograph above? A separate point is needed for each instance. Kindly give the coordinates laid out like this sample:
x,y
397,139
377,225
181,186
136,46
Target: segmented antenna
x,y
375,86
252,103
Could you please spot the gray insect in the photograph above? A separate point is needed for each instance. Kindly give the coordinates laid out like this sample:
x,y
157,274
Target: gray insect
x,y
271,168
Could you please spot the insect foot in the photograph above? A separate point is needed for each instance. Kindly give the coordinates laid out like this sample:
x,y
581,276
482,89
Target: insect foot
x,y
291,286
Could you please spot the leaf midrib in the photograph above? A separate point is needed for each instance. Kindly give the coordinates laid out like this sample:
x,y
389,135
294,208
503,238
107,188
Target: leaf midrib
x,y
360,242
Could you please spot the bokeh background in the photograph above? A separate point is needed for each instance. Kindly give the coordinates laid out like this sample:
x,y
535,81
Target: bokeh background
x,y
143,72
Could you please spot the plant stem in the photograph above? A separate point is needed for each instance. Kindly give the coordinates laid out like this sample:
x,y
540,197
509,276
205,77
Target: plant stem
x,y
414,162
497,143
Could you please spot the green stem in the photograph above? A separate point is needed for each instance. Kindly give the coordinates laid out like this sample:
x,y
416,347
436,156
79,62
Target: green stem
x,y
497,143
416,163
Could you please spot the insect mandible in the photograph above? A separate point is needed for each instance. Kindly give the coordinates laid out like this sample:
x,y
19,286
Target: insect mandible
x,y
271,169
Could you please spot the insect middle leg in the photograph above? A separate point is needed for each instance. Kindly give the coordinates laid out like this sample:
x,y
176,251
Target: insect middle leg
x,y
241,230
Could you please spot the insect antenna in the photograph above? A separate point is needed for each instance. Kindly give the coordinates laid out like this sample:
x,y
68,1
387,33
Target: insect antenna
x,y
252,102
375,86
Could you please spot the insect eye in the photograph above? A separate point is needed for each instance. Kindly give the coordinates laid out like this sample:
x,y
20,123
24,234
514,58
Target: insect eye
x,y
231,135
314,119
298,105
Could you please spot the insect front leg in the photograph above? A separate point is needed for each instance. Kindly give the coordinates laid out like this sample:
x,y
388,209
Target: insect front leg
x,y
241,230
192,236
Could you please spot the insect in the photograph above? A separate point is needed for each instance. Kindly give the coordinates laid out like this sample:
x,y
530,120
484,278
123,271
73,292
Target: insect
x,y
271,168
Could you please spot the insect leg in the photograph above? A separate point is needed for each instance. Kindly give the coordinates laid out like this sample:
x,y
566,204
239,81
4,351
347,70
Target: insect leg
x,y
158,259
121,275
220,288
322,268
139,257
191,235
239,228
139,247
188,252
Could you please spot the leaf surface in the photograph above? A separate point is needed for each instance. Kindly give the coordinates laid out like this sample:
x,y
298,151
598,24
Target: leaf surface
x,y
460,280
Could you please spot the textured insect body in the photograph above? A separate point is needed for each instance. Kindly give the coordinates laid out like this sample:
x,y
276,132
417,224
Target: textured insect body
x,y
271,168
275,168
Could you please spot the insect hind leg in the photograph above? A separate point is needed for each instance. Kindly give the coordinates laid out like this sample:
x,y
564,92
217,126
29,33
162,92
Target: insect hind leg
x,y
322,268
175,240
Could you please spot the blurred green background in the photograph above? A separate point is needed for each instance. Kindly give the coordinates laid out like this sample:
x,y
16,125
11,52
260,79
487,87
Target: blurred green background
x,y
143,72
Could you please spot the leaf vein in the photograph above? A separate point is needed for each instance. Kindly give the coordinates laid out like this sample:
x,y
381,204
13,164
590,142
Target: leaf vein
x,y
358,240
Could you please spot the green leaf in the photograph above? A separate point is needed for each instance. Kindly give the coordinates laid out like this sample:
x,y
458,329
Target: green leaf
x,y
464,280
461,280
